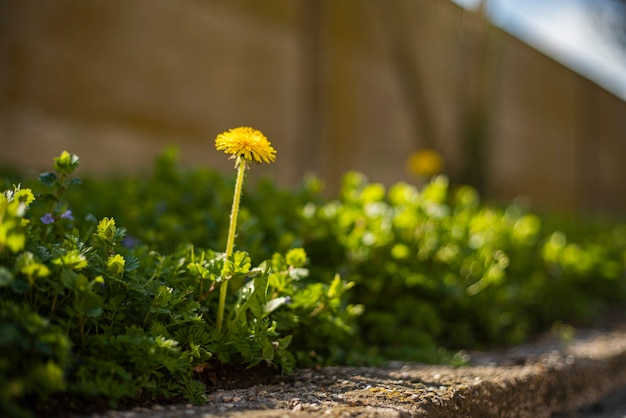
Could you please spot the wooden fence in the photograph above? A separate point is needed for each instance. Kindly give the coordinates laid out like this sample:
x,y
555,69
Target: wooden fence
x,y
335,85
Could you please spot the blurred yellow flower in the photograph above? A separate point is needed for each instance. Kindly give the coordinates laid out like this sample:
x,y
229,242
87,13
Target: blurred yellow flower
x,y
426,163
247,143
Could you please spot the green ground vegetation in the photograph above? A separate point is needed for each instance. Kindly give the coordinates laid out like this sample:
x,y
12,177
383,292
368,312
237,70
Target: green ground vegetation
x,y
107,286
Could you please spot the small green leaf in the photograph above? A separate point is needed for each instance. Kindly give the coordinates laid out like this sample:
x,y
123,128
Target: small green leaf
x,y
296,257
30,267
75,181
106,230
6,277
72,259
15,241
48,179
268,350
284,342
115,264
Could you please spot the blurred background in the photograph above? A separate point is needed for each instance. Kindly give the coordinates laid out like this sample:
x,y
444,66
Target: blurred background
x,y
519,98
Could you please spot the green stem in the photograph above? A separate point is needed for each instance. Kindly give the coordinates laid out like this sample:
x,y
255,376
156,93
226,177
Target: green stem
x,y
230,242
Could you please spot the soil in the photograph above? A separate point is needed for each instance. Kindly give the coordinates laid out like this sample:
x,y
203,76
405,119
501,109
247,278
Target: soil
x,y
533,380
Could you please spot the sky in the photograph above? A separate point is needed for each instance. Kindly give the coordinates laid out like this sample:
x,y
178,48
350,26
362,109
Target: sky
x,y
566,31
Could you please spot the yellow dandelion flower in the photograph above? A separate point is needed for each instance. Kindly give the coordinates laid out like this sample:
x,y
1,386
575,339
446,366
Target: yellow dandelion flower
x,y
247,143
425,163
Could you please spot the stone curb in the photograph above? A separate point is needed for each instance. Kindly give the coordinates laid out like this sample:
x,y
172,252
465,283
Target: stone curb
x,y
529,381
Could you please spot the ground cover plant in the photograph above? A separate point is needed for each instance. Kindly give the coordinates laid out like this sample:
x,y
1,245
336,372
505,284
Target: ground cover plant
x,y
466,274
110,289
90,315
463,273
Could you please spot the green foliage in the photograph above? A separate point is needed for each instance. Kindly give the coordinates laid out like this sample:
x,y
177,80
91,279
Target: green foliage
x,y
109,290
88,314
435,267
35,354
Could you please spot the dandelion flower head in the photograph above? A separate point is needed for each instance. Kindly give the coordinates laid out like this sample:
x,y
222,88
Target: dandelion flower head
x,y
247,143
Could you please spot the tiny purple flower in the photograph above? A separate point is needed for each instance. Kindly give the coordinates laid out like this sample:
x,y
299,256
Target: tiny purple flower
x,y
47,219
67,215
130,242
287,300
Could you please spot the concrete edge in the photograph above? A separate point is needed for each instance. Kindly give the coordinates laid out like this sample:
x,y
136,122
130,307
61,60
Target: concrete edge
x,y
534,380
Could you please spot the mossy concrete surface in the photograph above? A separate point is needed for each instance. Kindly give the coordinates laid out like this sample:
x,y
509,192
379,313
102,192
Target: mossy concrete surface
x,y
534,380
